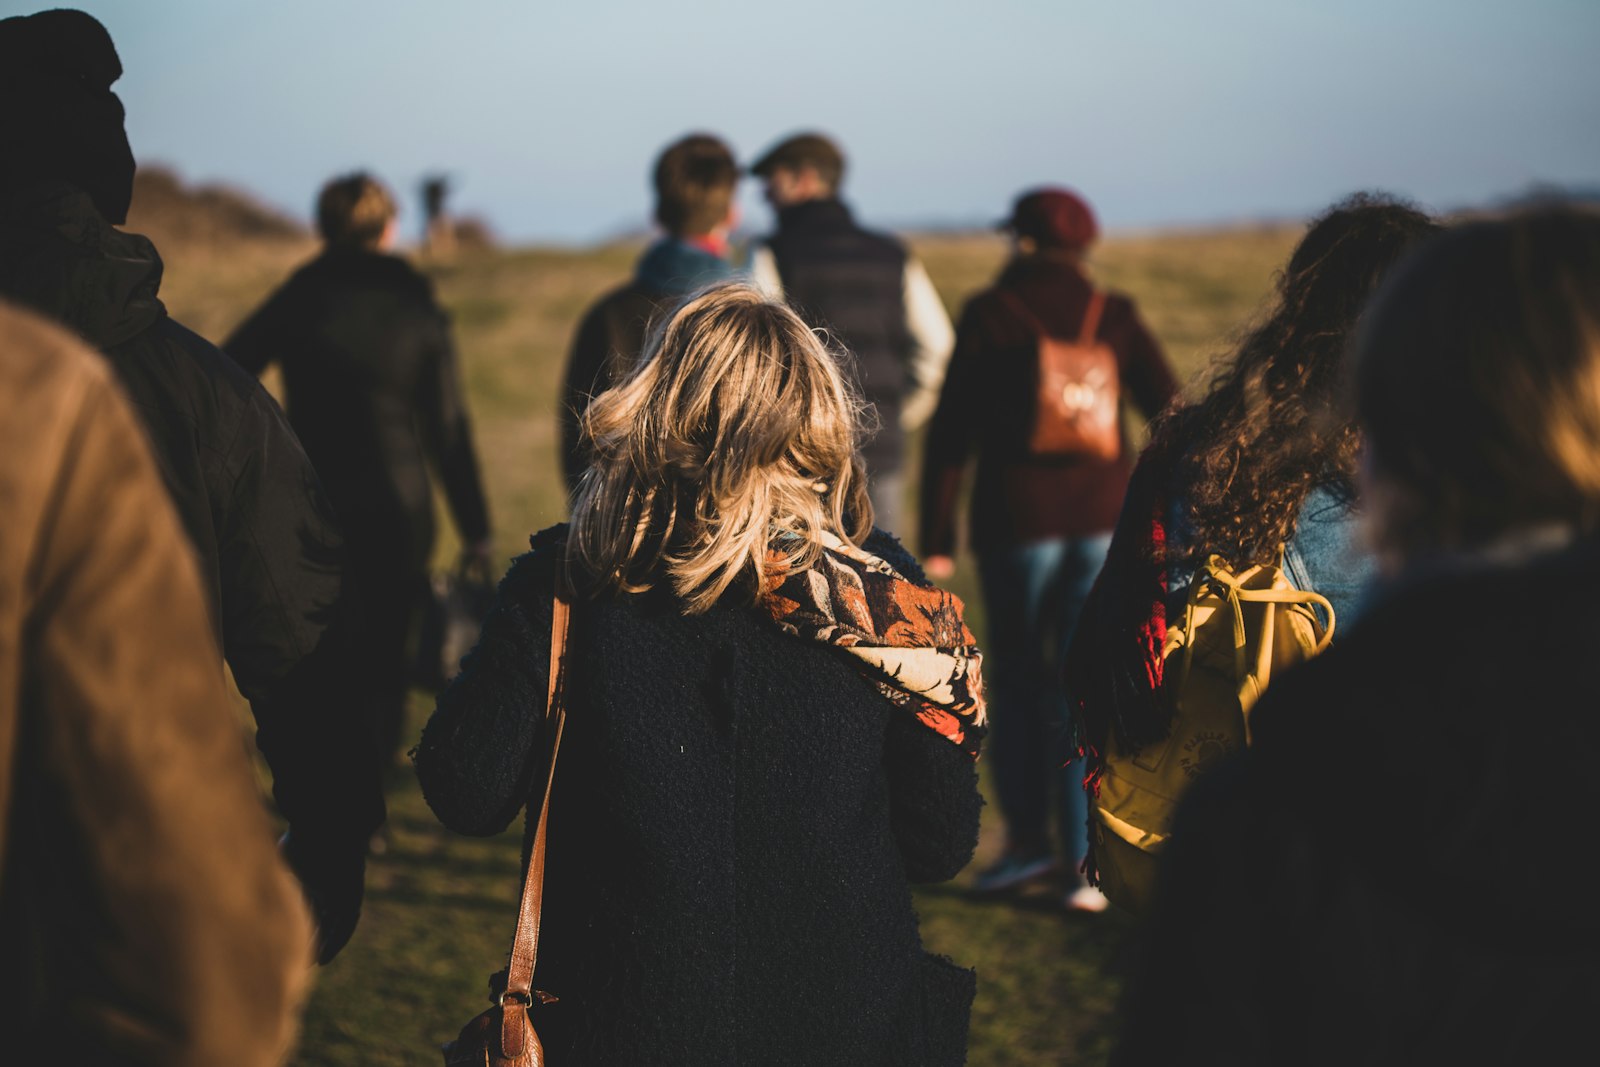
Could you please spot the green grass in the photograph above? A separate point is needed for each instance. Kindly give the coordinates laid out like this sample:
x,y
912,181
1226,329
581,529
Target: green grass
x,y
440,908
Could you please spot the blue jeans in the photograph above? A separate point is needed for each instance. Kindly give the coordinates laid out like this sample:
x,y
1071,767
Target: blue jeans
x,y
1032,596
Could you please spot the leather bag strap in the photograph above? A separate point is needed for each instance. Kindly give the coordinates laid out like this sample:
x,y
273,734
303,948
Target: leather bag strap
x,y
525,945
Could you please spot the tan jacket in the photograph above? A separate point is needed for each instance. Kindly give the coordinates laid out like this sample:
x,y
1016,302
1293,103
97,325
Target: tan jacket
x,y
145,916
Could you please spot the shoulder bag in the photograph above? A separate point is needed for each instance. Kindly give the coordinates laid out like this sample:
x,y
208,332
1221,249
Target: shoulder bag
x,y
503,1036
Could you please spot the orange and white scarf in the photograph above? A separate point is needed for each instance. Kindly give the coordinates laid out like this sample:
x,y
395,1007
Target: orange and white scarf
x,y
910,639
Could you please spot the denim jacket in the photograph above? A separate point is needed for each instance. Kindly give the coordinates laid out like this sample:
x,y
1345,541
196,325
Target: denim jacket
x,y
1323,554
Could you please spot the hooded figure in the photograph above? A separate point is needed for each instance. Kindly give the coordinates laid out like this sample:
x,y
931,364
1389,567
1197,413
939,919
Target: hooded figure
x,y
269,551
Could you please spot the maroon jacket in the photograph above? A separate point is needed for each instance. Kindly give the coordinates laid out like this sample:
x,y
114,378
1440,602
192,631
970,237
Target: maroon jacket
x,y
986,405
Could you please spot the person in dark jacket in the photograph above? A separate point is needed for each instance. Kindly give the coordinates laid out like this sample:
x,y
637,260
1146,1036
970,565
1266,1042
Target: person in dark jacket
x,y
374,391
694,178
1040,524
867,290
1387,875
270,551
737,813
1265,462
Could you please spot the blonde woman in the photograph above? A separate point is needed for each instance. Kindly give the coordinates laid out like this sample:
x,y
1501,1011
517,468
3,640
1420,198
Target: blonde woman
x,y
772,728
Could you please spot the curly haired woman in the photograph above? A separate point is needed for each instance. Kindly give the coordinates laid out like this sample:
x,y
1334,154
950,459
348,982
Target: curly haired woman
x,y
772,729
1267,459
1408,887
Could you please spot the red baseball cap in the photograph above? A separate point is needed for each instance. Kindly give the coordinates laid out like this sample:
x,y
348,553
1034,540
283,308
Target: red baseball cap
x,y
1053,216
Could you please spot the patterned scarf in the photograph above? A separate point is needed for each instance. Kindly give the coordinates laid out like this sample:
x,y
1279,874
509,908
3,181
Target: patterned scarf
x,y
907,638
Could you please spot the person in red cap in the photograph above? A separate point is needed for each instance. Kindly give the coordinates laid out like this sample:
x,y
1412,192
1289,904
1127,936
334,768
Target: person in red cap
x,y
1042,510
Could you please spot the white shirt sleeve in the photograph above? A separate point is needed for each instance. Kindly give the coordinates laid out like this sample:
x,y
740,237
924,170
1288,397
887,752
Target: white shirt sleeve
x,y
933,339
763,273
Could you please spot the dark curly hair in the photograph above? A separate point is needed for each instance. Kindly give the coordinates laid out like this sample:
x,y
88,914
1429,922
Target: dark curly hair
x,y
1276,421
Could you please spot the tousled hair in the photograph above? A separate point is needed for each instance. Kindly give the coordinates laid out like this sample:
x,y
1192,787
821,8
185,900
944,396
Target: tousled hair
x,y
1477,379
738,427
1276,421
353,210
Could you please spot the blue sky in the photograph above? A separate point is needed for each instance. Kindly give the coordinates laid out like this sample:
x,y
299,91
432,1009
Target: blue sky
x,y
548,116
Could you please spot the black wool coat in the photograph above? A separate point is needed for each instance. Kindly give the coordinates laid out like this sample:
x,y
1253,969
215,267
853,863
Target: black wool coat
x,y
736,818
1399,869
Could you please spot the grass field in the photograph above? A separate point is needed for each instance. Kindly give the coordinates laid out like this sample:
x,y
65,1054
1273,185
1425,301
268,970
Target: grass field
x,y
439,908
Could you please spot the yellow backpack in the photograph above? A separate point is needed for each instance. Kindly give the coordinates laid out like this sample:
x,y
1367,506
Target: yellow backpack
x,y
1236,633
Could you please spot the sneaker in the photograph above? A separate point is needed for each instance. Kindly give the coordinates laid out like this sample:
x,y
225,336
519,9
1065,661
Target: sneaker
x,y
1085,898
1014,869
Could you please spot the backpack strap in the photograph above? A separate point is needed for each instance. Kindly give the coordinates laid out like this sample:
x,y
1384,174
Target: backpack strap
x,y
1014,302
1091,316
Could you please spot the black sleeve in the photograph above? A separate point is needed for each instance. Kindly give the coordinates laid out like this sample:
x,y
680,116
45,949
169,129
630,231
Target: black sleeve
x,y
477,756
447,431
588,367
933,800
258,341
1146,372
286,630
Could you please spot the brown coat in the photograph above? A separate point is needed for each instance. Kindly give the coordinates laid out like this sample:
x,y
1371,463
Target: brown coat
x,y
145,916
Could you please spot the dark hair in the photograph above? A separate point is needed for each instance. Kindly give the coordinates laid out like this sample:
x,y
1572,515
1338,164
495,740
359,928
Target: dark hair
x,y
695,179
1477,375
353,211
1276,421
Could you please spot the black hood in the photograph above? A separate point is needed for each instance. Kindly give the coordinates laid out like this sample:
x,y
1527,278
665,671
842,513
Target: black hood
x,y
58,116
59,256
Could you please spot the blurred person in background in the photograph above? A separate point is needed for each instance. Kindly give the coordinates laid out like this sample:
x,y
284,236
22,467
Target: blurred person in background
x,y
737,812
1388,874
695,179
1266,460
1040,522
374,390
270,550
867,290
145,916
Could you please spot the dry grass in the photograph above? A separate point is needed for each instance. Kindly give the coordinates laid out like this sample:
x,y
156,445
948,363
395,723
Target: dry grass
x,y
440,908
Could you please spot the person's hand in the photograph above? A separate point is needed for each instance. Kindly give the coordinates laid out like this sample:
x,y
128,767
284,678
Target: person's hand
x,y
333,877
939,568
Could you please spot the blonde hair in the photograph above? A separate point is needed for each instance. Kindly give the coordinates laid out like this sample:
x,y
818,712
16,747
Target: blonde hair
x,y
723,458
353,211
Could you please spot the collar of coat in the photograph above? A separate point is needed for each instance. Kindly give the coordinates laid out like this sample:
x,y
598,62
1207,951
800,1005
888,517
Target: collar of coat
x,y
909,639
825,213
63,259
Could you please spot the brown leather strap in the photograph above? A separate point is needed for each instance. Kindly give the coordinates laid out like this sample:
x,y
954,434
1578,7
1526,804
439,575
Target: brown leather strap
x,y
1091,317
525,945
